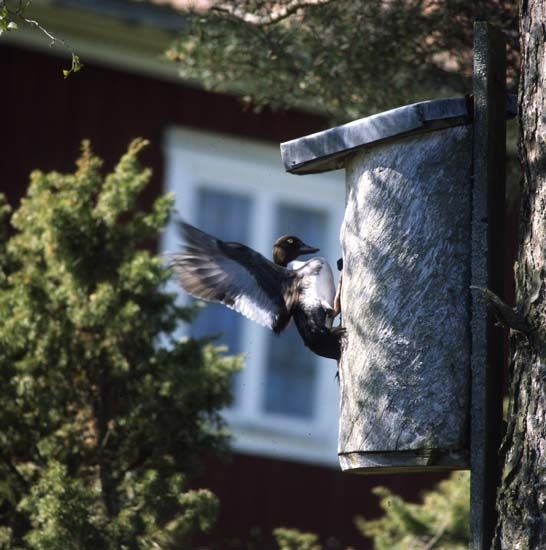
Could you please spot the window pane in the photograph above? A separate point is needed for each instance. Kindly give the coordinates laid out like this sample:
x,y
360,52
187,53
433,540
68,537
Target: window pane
x,y
291,373
226,216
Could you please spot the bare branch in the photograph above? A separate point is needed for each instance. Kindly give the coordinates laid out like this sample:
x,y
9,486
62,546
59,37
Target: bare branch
x,y
508,316
13,469
277,14
20,13
439,534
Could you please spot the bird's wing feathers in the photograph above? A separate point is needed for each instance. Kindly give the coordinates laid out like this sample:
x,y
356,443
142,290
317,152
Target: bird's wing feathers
x,y
234,275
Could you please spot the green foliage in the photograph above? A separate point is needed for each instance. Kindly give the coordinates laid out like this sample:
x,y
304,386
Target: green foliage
x,y
6,19
344,58
62,508
104,415
292,539
75,66
440,522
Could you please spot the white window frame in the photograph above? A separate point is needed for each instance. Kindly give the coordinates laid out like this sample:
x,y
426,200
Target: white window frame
x,y
196,160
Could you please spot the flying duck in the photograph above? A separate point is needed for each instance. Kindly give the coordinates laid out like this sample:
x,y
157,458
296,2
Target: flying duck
x,y
267,292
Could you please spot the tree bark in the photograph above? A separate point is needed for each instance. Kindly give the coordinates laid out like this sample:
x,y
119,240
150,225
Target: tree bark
x,y
522,494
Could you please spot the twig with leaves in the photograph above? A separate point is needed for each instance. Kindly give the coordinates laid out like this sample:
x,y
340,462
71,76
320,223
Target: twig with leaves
x,y
8,22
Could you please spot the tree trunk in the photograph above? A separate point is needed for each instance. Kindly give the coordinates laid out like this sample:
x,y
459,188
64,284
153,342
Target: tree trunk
x,y
522,495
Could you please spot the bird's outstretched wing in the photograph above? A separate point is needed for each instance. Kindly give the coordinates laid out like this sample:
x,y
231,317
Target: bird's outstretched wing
x,y
233,274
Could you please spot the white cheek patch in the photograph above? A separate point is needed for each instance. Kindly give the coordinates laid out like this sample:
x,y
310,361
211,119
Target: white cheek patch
x,y
295,264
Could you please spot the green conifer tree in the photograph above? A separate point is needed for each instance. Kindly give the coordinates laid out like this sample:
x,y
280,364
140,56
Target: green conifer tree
x,y
439,522
293,539
104,416
342,58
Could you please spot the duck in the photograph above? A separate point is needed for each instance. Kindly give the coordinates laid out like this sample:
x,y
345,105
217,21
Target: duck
x,y
270,293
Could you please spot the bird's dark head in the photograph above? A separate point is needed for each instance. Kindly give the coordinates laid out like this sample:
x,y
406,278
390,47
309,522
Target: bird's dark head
x,y
288,248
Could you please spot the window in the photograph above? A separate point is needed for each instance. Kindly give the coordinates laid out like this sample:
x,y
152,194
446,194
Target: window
x,y
291,371
286,398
